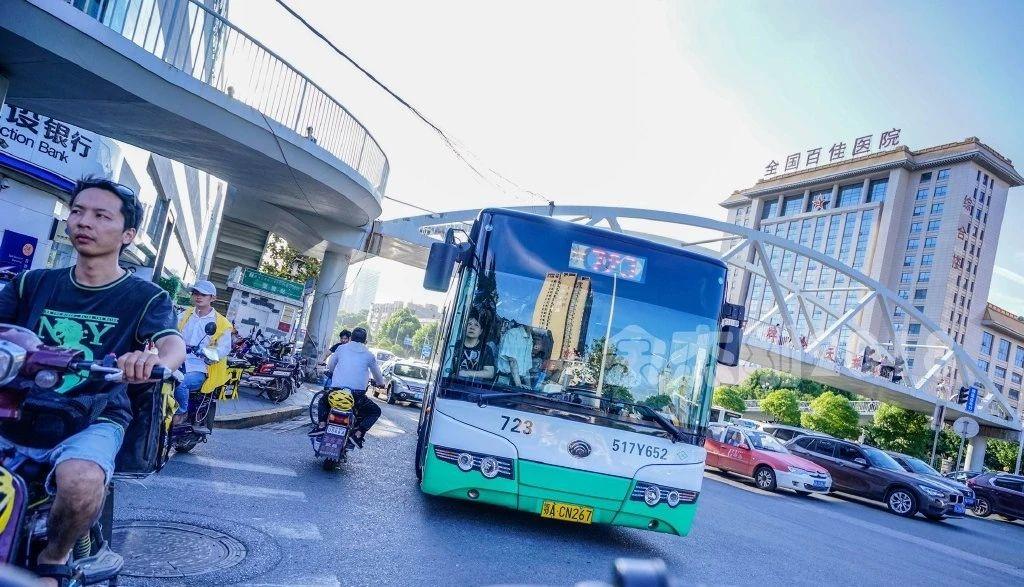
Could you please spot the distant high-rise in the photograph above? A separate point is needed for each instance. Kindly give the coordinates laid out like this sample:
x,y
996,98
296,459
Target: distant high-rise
x,y
361,292
563,308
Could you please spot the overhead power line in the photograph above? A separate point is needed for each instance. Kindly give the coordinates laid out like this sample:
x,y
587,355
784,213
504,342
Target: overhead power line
x,y
460,151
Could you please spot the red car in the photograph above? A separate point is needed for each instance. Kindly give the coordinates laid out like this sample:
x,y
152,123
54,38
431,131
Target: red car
x,y
759,455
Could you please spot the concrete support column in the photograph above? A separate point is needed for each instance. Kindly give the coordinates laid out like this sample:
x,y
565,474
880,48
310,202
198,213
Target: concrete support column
x,y
975,458
326,299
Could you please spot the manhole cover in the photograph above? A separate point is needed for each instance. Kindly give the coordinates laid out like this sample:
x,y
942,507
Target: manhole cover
x,y
170,549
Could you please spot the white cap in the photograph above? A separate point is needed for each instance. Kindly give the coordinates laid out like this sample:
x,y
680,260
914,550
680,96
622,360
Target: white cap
x,y
205,287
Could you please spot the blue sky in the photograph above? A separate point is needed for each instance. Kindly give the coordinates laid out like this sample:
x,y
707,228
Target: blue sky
x,y
661,105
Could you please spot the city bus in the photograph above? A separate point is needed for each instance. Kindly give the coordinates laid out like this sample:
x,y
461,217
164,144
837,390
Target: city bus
x,y
573,371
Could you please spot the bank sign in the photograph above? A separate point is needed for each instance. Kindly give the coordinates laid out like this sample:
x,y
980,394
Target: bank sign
x,y
50,150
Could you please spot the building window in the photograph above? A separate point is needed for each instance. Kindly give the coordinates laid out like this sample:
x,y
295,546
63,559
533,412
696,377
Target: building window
x,y
1018,358
771,209
1004,350
987,340
849,195
876,190
933,225
905,277
922,194
915,227
924,276
1015,378
913,244
913,328
985,181
1014,394
926,259
977,214
983,365
929,242
979,176
999,387
791,205
1000,373
919,309
919,210
943,175
819,200
898,312
904,294
940,191
937,207
926,177
920,294
908,261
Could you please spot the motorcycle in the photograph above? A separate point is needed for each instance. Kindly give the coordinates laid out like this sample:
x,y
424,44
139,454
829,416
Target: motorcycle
x,y
332,443
202,407
27,367
266,366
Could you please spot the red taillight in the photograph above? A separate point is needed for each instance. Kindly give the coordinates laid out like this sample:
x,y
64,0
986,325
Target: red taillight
x,y
338,419
267,368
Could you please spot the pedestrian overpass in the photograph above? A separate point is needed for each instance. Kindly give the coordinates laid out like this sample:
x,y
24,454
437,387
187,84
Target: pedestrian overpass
x,y
800,334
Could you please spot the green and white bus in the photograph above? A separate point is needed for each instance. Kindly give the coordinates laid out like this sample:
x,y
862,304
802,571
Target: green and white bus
x,y
573,372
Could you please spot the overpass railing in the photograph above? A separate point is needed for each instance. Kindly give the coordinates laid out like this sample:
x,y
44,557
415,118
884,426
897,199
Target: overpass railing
x,y
864,408
193,38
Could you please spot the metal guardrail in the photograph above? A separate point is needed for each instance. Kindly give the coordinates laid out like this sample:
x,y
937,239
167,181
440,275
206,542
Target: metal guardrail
x,y
864,408
193,38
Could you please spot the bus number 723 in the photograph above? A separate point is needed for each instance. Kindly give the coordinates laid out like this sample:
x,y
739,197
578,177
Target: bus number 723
x,y
518,425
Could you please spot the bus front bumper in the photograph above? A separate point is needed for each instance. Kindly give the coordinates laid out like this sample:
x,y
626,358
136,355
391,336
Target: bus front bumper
x,y
614,500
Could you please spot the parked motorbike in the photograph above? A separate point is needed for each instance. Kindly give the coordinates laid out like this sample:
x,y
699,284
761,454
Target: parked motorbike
x,y
27,367
332,443
202,407
267,366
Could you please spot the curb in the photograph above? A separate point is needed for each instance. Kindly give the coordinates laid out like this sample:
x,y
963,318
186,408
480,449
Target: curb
x,y
250,419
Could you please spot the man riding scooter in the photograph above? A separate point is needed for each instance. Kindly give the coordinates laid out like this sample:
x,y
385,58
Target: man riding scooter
x,y
350,367
100,309
192,324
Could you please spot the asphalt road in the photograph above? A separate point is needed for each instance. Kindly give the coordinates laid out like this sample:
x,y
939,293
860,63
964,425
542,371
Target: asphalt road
x,y
279,520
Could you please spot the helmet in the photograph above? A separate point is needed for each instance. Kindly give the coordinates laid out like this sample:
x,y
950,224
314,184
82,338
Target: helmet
x,y
341,399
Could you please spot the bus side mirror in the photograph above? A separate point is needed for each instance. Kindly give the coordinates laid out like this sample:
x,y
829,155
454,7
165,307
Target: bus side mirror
x,y
440,264
730,339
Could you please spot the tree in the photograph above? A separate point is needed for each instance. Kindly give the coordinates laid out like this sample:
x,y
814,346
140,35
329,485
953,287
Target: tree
x,y
729,398
396,327
281,260
350,321
426,334
1001,455
832,414
783,406
901,430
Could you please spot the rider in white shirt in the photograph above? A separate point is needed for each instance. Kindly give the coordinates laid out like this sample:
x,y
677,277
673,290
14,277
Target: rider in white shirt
x,y
351,366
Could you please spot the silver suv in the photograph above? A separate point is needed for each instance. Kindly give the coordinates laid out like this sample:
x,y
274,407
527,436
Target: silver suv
x,y
403,381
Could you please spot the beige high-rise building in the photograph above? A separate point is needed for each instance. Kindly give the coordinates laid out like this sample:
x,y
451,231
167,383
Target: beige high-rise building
x,y
924,223
1001,354
563,308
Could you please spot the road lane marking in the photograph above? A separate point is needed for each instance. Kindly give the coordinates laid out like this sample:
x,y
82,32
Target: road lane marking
x,y
199,460
292,531
321,581
385,428
189,484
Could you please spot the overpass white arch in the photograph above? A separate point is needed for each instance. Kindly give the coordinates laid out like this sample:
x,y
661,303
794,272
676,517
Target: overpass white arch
x,y
799,334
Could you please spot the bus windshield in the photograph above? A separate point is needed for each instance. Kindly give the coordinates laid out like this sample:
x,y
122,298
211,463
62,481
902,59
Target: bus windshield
x,y
549,316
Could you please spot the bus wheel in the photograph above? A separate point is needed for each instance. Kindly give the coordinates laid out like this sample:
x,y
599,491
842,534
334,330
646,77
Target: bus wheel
x,y
421,449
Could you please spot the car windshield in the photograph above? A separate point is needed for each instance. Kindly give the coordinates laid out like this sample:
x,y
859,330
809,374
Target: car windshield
x,y
919,466
765,441
544,318
410,371
881,460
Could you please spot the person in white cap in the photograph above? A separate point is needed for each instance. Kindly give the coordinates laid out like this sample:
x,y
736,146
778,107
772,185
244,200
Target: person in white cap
x,y
192,324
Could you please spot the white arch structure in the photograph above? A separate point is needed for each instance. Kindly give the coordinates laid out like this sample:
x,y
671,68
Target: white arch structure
x,y
799,334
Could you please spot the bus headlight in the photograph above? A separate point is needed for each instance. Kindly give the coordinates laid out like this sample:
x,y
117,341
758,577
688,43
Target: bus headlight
x,y
465,462
652,494
489,467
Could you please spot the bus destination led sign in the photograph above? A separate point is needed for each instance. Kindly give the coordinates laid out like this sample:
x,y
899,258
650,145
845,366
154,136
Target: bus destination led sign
x,y
607,262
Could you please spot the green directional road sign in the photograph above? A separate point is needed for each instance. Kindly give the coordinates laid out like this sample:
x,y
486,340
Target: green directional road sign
x,y
271,284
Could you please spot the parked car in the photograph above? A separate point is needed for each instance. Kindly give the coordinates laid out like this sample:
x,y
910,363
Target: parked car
x,y
756,454
404,381
916,465
784,433
998,493
868,472
962,476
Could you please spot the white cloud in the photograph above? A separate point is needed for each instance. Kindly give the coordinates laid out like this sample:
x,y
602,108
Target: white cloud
x,y
1009,274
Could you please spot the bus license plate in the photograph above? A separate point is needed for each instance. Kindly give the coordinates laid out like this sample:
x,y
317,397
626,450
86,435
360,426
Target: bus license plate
x,y
568,512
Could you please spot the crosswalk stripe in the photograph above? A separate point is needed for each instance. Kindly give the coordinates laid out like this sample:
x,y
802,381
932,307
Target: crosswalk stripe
x,y
199,460
236,489
323,581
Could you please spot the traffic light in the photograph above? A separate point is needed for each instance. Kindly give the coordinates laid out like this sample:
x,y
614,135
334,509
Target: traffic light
x,y
961,398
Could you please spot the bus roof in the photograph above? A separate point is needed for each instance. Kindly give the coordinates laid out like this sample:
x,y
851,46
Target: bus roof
x,y
604,233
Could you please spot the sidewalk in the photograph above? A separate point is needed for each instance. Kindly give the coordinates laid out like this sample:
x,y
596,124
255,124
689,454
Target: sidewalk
x,y
250,409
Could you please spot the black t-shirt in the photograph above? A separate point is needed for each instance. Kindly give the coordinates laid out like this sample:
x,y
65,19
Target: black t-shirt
x,y
476,358
117,318
335,346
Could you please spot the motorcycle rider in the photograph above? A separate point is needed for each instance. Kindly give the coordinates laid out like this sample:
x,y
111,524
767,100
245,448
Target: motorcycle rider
x,y
97,307
192,324
350,366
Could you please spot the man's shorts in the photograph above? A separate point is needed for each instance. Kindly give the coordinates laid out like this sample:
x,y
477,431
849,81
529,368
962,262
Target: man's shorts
x,y
99,443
